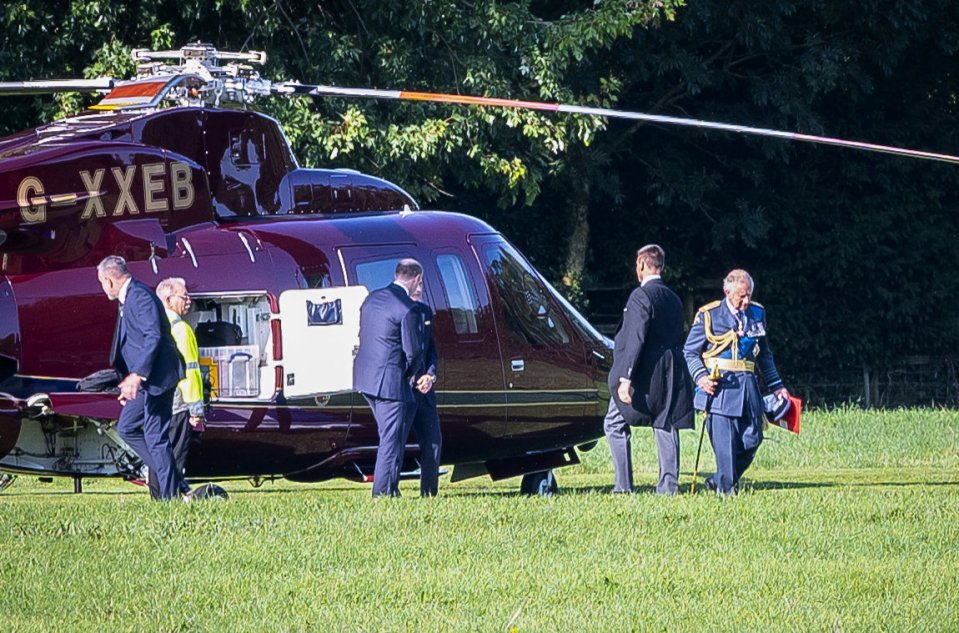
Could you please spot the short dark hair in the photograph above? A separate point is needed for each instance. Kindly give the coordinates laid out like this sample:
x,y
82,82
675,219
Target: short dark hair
x,y
653,255
408,268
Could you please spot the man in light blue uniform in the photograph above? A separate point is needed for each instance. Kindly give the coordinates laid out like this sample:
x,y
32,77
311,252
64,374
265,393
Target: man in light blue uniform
x,y
728,337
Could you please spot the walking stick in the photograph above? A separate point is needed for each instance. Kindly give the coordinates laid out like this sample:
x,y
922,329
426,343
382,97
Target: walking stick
x,y
692,487
713,375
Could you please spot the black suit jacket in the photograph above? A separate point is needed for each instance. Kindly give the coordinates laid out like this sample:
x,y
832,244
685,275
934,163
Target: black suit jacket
x,y
144,344
648,351
429,356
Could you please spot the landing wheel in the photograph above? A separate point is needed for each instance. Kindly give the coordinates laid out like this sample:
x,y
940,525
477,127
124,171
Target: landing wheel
x,y
542,484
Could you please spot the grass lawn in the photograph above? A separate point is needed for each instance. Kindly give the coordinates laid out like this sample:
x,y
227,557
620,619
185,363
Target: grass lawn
x,y
853,526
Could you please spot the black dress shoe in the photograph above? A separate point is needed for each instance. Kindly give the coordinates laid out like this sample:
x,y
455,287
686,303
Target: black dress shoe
x,y
710,484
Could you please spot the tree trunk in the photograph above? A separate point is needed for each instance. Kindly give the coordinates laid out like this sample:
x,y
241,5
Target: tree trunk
x,y
578,243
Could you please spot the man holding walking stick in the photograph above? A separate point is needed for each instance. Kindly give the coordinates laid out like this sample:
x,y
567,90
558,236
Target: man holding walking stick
x,y
728,339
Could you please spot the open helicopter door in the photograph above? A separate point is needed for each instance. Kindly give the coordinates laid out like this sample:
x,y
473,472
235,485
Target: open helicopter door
x,y
320,331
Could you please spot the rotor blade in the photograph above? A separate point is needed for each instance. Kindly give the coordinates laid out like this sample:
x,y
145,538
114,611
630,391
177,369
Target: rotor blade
x,y
302,89
55,85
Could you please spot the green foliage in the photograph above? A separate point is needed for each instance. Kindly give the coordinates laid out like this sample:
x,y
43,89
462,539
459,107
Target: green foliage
x,y
835,531
853,252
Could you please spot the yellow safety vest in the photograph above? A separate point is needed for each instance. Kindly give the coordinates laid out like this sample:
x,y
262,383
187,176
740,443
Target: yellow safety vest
x,y
191,387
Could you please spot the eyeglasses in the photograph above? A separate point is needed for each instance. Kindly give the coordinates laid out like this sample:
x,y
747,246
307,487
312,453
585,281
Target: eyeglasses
x,y
184,297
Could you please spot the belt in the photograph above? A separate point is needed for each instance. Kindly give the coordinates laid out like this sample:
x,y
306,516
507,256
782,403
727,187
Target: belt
x,y
728,364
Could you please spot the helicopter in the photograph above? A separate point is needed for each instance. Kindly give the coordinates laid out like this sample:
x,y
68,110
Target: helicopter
x,y
211,192
173,171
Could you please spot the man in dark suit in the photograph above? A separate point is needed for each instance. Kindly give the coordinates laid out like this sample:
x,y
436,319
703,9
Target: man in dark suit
x,y
146,356
648,383
389,357
729,337
426,423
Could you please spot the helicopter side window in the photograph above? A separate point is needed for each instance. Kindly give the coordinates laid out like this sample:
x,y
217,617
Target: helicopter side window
x,y
377,274
526,307
459,293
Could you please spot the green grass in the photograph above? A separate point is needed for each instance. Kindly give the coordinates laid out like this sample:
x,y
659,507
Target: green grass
x,y
853,526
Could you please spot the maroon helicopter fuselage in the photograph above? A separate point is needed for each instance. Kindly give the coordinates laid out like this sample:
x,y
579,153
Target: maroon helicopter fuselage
x,y
216,197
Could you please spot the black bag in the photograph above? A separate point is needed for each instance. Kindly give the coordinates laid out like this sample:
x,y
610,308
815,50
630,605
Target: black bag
x,y
105,380
218,334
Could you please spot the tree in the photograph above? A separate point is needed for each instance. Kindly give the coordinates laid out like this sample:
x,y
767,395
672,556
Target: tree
x,y
852,251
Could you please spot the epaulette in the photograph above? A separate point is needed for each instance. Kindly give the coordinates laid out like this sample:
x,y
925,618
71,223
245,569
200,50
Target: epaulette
x,y
710,306
759,307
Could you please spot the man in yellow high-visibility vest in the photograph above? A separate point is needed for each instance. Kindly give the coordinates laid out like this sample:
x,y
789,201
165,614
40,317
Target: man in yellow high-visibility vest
x,y
188,413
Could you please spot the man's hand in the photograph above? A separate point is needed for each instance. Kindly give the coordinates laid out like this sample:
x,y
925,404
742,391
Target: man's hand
x,y
707,385
623,392
782,392
196,422
424,383
129,387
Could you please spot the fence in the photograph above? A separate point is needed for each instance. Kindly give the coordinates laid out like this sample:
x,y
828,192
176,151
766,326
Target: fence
x,y
917,381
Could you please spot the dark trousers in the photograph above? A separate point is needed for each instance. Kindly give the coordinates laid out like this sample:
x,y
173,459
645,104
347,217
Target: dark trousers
x,y
144,425
393,420
426,427
732,457
182,437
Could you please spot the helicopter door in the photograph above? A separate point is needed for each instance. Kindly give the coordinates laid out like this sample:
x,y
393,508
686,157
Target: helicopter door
x,y
320,329
547,375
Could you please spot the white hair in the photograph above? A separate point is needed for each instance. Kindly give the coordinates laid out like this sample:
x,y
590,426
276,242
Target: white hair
x,y
113,266
169,286
736,278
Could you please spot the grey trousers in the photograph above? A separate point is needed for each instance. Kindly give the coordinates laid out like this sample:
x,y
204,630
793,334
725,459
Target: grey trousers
x,y
618,435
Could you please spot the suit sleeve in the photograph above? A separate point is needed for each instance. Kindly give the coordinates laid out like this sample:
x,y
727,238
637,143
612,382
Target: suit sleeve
x,y
432,358
693,349
145,322
411,332
767,366
636,326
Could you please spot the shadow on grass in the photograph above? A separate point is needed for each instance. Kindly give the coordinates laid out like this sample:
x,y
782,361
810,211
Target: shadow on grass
x,y
751,487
